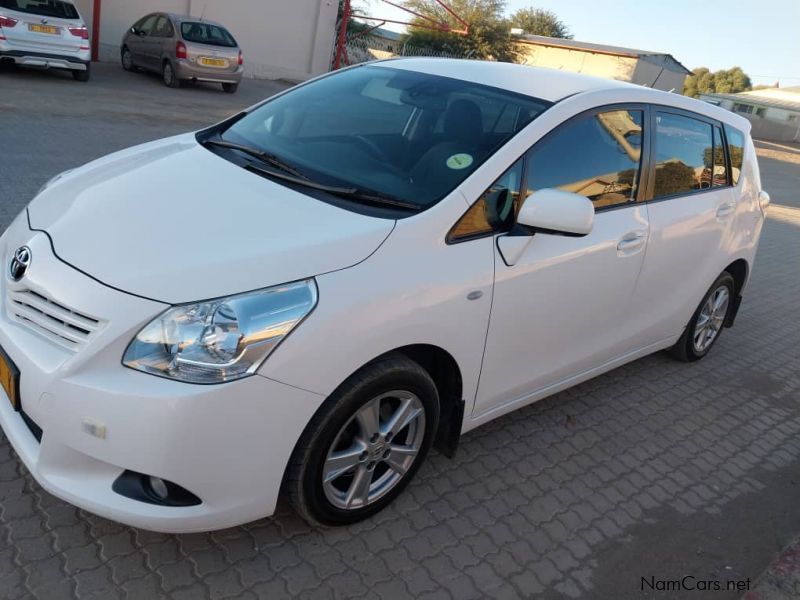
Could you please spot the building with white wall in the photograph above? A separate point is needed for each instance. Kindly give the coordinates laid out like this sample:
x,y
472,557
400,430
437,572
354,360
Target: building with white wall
x,y
290,39
774,112
652,69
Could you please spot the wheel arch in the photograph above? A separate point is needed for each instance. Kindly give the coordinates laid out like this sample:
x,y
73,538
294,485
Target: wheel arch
x,y
739,270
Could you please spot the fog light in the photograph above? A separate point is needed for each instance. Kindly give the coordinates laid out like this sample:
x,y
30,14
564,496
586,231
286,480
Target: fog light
x,y
153,490
158,487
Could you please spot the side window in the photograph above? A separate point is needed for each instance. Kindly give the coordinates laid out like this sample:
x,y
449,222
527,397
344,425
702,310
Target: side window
x,y
146,24
494,210
160,29
683,155
736,149
598,156
720,176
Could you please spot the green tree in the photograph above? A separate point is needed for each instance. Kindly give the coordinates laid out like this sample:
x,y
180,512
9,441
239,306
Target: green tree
x,y
489,34
725,81
538,21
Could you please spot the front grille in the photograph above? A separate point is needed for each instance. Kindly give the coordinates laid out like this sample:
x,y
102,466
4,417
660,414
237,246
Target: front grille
x,y
66,327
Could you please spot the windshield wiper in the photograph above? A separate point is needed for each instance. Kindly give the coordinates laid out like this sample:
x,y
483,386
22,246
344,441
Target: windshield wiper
x,y
263,156
346,192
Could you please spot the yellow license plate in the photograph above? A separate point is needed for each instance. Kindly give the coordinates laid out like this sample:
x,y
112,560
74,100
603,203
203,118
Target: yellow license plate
x,y
9,379
213,62
44,29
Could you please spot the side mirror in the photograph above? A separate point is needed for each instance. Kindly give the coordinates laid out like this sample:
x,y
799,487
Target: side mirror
x,y
546,211
557,212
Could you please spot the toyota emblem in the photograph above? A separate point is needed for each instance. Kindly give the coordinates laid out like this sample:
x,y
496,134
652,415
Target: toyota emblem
x,y
20,263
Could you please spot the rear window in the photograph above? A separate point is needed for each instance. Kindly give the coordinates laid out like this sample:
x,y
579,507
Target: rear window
x,y
45,8
205,33
736,148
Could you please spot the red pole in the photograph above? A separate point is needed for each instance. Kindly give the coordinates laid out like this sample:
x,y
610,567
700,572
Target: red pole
x,y
342,41
96,29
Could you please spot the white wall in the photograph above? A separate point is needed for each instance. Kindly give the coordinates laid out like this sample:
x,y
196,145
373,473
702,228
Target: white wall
x,y
578,61
290,39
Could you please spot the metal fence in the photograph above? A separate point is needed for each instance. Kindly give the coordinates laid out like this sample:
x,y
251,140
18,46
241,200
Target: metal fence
x,y
363,48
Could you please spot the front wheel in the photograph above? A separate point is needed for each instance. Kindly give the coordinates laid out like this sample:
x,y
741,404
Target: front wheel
x,y
365,444
169,77
705,326
127,59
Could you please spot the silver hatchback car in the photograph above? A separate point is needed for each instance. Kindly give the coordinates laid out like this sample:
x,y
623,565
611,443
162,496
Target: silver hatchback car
x,y
183,48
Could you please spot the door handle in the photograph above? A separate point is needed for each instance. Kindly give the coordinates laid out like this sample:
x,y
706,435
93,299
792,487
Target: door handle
x,y
631,243
725,209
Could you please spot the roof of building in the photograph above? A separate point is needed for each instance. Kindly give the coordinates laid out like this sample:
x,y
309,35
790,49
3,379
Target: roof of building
x,y
787,98
541,40
386,34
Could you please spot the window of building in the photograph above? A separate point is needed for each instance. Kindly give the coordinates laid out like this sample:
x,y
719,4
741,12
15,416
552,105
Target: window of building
x,y
597,156
742,108
736,149
760,112
684,147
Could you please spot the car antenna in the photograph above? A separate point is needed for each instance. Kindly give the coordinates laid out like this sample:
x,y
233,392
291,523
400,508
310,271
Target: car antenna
x,y
203,14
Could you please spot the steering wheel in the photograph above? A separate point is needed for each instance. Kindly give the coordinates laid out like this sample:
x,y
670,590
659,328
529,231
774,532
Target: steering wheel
x,y
371,146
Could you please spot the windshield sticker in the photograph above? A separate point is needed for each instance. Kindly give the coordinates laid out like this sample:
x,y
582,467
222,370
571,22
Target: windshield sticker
x,y
459,161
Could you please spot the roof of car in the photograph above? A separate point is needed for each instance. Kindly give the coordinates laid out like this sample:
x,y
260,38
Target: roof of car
x,y
553,84
188,18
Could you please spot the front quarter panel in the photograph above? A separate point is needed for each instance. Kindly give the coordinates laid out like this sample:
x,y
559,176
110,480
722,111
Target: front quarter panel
x,y
413,290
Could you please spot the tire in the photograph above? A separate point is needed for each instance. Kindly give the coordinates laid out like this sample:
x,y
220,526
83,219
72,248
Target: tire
x,y
392,383
82,75
697,340
168,75
230,88
126,58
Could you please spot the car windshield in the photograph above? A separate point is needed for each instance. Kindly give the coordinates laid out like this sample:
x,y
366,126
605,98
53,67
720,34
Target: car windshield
x,y
205,33
402,134
45,8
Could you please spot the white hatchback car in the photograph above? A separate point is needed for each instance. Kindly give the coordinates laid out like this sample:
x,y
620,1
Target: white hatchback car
x,y
311,294
45,34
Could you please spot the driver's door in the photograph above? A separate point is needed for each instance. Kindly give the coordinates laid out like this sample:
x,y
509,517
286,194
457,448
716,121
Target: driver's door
x,y
138,43
560,303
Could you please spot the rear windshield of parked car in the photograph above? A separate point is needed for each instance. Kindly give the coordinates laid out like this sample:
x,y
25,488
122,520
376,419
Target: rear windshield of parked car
x,y
408,135
204,33
45,8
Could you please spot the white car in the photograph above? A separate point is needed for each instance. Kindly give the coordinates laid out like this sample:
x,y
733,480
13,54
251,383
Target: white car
x,y
45,34
311,294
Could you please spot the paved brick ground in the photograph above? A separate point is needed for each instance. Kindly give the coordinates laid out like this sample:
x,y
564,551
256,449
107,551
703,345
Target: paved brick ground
x,y
655,469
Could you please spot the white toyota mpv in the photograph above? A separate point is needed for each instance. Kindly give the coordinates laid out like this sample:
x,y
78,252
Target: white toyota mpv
x,y
310,295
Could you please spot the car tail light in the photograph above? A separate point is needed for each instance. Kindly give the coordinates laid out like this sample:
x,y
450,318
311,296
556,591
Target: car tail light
x,y
180,50
81,32
241,58
7,21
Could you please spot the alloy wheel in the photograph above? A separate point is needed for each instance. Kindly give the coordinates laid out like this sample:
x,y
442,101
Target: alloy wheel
x,y
711,318
374,450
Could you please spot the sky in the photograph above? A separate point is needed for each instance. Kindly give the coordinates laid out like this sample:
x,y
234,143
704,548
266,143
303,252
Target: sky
x,y
761,36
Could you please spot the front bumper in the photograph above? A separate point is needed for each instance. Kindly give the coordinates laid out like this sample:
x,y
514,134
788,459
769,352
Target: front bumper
x,y
187,70
77,62
228,444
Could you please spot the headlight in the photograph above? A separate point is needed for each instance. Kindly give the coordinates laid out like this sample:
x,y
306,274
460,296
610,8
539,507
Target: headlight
x,y
53,180
220,340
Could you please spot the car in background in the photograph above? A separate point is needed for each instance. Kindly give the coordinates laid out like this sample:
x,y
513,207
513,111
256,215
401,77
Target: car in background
x,y
48,34
182,49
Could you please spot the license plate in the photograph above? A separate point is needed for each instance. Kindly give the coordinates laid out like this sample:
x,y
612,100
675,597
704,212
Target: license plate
x,y
213,62
44,29
9,379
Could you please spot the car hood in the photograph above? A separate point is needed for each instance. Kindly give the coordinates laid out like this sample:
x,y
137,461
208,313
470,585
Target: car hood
x,y
174,222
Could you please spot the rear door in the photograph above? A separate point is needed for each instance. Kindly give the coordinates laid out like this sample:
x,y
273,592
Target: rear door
x,y
49,27
159,41
691,214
